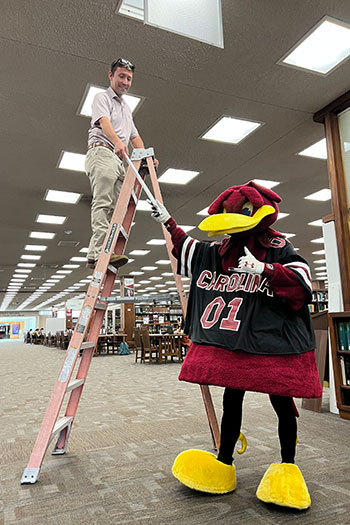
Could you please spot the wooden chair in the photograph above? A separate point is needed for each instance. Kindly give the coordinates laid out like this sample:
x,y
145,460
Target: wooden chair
x,y
138,345
150,353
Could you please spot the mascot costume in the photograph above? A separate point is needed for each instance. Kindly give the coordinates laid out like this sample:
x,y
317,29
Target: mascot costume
x,y
250,328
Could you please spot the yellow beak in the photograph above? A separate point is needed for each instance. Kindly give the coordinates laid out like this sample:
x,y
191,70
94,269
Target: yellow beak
x,y
234,222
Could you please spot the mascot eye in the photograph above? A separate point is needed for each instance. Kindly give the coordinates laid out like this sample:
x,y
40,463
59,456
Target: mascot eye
x,y
247,208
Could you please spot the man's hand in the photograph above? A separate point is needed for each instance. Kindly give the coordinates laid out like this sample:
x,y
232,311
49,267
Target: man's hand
x,y
248,263
159,212
120,149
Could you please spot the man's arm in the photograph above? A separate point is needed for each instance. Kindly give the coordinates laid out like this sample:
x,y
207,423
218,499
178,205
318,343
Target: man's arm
x,y
120,148
137,142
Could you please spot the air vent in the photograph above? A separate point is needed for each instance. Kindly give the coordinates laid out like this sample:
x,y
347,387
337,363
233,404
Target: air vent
x,y
72,244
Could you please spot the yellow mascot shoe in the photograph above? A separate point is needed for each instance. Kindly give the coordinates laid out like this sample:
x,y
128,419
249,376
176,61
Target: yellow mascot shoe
x,y
200,470
283,484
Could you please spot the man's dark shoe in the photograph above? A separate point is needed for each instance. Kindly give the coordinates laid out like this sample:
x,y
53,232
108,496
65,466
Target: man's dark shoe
x,y
91,264
118,260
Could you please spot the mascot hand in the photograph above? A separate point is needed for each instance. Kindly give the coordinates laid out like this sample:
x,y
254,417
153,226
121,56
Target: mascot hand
x,y
248,263
159,212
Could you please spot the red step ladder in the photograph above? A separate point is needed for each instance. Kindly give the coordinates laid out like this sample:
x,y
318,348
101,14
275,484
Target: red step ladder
x,y
92,315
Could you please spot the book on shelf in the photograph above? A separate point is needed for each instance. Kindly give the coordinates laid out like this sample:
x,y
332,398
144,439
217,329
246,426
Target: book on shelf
x,y
345,369
343,334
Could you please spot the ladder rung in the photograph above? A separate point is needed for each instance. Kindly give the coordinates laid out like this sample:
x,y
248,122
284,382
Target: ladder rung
x,y
87,344
61,424
75,383
100,306
112,268
123,232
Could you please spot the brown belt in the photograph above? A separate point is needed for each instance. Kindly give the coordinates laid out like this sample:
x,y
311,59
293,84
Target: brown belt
x,y
103,144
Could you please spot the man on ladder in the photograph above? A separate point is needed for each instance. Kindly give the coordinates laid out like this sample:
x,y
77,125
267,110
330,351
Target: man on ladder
x,y
112,128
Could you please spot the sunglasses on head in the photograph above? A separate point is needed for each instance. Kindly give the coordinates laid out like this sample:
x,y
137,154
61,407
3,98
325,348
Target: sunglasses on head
x,y
121,62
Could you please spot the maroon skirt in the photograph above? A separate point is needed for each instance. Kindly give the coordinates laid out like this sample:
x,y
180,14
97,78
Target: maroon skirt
x,y
286,375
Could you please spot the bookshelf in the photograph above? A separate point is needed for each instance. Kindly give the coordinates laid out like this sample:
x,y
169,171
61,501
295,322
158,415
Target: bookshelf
x,y
339,327
157,317
319,301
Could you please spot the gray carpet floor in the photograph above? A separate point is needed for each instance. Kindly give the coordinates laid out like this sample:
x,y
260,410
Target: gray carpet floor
x,y
132,421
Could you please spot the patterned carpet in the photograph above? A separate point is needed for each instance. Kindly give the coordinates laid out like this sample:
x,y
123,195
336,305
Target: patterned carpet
x,y
132,421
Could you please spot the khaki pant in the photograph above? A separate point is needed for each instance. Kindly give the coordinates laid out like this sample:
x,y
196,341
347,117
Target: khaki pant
x,y
106,173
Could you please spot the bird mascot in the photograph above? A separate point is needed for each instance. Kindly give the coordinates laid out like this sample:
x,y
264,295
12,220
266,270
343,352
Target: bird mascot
x,y
250,328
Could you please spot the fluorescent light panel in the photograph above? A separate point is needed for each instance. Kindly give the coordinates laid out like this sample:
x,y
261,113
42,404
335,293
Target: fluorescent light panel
x,y
156,242
230,130
42,235
35,247
72,161
139,252
67,197
31,257
266,183
204,211
177,176
316,151
321,195
50,219
322,49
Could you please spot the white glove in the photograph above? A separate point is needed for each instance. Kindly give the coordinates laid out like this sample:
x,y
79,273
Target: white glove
x,y
159,212
248,263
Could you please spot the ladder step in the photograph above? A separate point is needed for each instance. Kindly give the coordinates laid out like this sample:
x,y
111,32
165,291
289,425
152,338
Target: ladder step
x,y
87,344
61,424
100,306
75,383
112,268
123,232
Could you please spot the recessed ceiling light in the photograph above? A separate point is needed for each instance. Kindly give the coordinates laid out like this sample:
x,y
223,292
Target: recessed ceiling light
x,y
86,106
78,259
321,195
322,49
204,211
318,268
31,257
35,247
320,261
167,274
230,130
176,176
288,235
84,250
266,183
42,235
163,261
72,161
139,252
319,252
319,240
50,219
71,266
67,197
319,222
64,271
136,273
316,151
23,271
155,279
186,228
144,282
156,242
143,205
149,268
26,265
322,278
130,260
